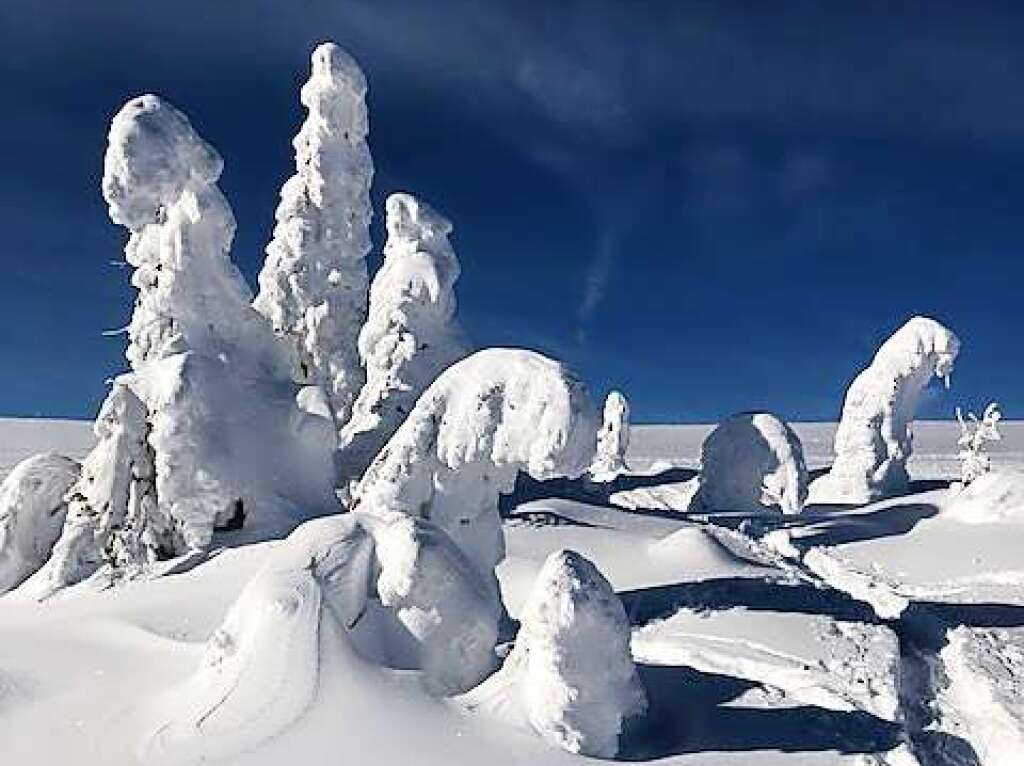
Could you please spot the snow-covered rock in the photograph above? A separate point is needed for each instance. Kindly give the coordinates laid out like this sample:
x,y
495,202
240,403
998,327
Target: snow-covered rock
x,y
410,335
996,496
570,676
484,419
32,511
313,283
752,462
874,440
612,439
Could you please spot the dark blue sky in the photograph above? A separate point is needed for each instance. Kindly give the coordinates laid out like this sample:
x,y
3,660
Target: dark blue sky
x,y
714,206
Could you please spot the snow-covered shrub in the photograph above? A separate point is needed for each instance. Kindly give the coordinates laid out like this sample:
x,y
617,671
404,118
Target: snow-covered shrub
x,y
484,419
313,283
570,675
32,510
874,441
751,462
973,442
993,497
612,439
410,334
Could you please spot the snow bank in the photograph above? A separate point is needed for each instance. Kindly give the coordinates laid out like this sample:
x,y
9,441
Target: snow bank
x,y
612,439
751,462
993,497
570,675
313,282
874,441
410,335
487,417
32,510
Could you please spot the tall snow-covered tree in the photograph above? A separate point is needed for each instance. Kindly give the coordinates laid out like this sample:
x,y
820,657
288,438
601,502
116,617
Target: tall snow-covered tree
x,y
314,282
410,335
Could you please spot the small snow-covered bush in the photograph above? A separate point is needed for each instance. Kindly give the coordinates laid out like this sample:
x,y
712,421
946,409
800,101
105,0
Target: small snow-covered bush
x,y
484,419
313,282
975,434
32,510
874,441
612,439
570,675
751,462
410,334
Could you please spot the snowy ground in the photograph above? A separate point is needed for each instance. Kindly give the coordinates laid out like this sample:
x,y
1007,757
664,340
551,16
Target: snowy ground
x,y
888,634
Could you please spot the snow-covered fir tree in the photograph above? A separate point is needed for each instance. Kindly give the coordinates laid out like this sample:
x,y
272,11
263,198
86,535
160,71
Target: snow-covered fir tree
x,y
612,439
314,282
975,435
410,335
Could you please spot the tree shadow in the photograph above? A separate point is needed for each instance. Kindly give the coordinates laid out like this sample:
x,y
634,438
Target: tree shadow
x,y
688,713
838,527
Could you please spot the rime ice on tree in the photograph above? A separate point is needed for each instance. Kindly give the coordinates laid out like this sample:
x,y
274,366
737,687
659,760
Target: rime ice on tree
x,y
612,439
874,441
410,335
975,434
313,283
487,417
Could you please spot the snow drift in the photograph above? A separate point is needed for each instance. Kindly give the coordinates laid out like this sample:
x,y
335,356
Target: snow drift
x,y
487,417
993,497
32,511
570,676
874,441
612,439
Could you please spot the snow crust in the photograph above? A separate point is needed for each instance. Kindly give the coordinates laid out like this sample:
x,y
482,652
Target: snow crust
x,y
570,675
484,419
874,440
32,511
410,335
752,462
993,497
314,280
612,439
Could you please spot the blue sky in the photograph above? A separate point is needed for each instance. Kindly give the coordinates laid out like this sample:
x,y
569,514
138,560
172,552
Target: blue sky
x,y
713,206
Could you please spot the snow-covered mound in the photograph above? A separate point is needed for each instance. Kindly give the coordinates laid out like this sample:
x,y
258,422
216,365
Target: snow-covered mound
x,y
32,511
410,334
752,462
313,283
487,417
996,496
874,441
612,439
570,675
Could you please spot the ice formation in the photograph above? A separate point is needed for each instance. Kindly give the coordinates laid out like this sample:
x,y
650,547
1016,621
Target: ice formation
x,y
752,462
313,283
612,439
487,417
874,441
975,435
570,676
32,510
410,335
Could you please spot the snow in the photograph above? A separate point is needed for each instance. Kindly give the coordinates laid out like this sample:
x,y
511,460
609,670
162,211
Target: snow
x,y
996,496
410,335
612,439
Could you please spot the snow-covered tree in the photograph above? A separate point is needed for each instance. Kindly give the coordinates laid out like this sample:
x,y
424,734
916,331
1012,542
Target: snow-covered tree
x,y
874,440
410,335
612,439
570,675
313,283
32,511
485,419
752,462
975,435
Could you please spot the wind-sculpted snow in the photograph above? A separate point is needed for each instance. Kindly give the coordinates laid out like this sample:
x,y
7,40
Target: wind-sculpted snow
x,y
313,283
570,675
752,462
874,440
612,439
32,510
996,496
410,334
487,417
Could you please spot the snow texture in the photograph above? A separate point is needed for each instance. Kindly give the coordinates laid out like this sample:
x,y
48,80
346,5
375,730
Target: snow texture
x,y
410,335
752,462
314,281
993,497
32,511
570,675
612,439
874,440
